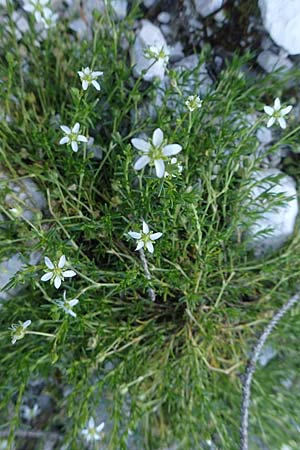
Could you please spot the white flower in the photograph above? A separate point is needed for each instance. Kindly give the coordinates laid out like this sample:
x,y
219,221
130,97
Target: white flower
x,y
174,168
154,152
193,102
145,238
88,77
39,8
93,432
277,113
56,273
30,413
67,305
72,136
156,53
19,331
49,19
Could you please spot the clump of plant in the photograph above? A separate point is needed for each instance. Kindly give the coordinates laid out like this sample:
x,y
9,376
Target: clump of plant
x,y
142,308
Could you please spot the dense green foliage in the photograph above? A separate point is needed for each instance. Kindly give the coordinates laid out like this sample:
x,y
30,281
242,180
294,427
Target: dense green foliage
x,y
169,370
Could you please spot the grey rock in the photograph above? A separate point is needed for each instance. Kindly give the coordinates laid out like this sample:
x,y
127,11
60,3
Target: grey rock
x,y
176,52
282,21
80,27
8,269
120,8
280,219
149,3
198,75
269,61
24,198
264,135
149,35
95,151
167,30
207,7
164,17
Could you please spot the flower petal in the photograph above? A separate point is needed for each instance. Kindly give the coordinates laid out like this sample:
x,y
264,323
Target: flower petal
x,y
277,104
76,127
97,73
271,121
62,261
85,85
74,146
72,313
159,167
286,110
134,235
150,247
145,227
141,162
69,273
100,427
47,276
49,263
80,73
140,245
64,140
65,129
81,138
73,302
158,137
172,149
282,122
57,282
26,324
91,422
96,85
269,110
141,144
154,236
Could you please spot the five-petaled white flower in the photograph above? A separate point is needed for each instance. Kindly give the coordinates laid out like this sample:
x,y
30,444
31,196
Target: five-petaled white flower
x,y
277,113
39,8
56,274
87,77
72,136
145,238
19,331
156,53
30,413
193,102
93,432
154,152
67,305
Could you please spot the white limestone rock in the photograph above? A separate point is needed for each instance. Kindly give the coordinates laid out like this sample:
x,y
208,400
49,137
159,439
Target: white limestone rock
x,y
149,35
207,7
270,62
282,21
280,219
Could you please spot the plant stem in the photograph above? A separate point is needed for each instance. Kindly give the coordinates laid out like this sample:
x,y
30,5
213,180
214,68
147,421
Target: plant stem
x,y
147,274
251,366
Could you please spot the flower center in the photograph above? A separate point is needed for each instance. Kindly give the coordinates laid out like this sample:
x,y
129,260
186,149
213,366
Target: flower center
x,y
57,272
73,136
156,153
